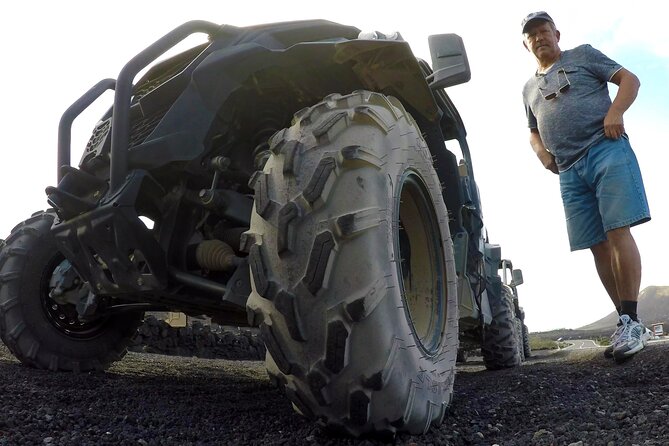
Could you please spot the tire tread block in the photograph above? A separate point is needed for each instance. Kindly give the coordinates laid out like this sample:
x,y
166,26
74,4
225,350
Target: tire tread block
x,y
314,189
275,351
264,204
9,276
368,114
359,407
321,251
288,216
22,230
329,123
298,400
290,151
335,351
276,141
363,306
15,332
357,156
286,303
261,275
349,225
378,380
32,351
317,382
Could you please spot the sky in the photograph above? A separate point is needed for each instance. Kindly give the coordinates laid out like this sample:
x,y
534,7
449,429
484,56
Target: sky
x,y
52,52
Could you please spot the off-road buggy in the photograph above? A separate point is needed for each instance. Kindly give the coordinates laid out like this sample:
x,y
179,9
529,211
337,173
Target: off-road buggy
x,y
289,176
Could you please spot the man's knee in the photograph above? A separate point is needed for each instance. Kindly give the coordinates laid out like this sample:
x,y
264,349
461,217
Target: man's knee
x,y
600,249
617,235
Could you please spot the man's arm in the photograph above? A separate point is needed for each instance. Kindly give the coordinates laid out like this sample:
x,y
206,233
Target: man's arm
x,y
628,87
546,158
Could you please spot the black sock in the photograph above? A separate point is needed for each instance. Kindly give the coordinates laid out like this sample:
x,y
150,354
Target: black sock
x,y
619,310
628,307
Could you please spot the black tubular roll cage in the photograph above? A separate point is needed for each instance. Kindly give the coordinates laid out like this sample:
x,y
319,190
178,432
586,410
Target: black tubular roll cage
x,y
120,136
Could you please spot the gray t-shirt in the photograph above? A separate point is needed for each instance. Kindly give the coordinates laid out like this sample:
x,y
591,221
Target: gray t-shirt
x,y
573,120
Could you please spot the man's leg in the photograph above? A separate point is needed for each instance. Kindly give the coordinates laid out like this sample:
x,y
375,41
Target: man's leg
x,y
613,173
626,267
625,263
618,264
602,254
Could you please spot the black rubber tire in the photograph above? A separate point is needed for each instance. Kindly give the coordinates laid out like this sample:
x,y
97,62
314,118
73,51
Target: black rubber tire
x,y
27,262
325,262
519,338
501,347
527,350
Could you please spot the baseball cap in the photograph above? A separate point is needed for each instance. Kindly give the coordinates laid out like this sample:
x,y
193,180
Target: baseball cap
x,y
539,15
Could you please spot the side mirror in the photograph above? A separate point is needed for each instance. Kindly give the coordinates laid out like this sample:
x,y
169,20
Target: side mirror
x,y
449,61
517,277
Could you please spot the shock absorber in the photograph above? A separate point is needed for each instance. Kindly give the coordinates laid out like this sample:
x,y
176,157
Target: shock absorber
x,y
268,124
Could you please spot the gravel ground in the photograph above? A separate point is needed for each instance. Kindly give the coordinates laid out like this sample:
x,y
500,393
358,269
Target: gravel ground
x,y
565,398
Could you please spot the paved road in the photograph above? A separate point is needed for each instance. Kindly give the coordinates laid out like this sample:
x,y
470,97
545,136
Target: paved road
x,y
581,344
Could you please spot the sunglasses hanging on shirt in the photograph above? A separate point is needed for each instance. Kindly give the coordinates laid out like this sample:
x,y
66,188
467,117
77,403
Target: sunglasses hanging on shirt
x,y
563,82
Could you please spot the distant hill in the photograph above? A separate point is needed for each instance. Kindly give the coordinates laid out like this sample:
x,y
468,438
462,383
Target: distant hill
x,y
653,307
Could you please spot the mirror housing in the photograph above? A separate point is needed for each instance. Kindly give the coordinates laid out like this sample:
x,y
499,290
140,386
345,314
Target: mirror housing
x,y
517,277
449,61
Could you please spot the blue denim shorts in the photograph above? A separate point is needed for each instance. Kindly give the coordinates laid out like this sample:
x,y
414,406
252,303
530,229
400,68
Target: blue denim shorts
x,y
603,191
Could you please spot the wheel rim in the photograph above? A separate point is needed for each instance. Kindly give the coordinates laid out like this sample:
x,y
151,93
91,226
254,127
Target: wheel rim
x,y
64,317
421,267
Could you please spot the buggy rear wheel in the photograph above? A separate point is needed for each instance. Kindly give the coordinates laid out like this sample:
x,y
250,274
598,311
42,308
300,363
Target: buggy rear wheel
x,y
527,349
502,341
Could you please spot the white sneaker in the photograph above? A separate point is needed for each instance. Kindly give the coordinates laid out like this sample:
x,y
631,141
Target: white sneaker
x,y
608,352
632,339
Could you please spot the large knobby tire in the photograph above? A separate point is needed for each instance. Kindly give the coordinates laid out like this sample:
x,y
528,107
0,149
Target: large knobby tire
x,y
519,338
527,350
37,330
502,346
353,271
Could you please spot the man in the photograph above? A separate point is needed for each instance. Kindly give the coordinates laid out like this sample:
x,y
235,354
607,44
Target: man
x,y
578,133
